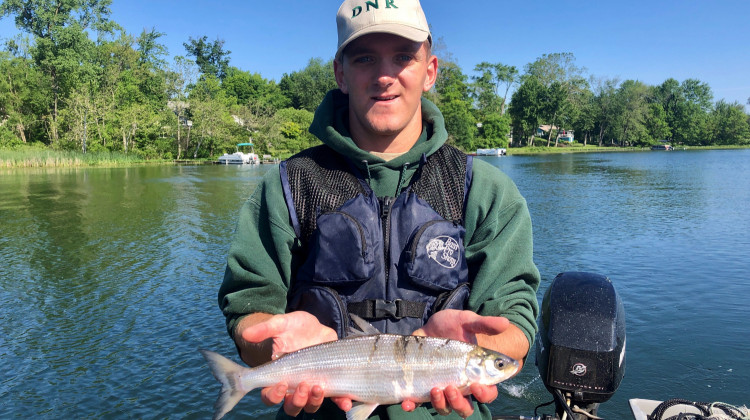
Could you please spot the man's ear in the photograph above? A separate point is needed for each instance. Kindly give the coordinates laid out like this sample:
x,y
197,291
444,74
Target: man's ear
x,y
338,71
432,71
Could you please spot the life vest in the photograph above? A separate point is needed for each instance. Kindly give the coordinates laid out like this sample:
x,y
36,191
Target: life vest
x,y
393,261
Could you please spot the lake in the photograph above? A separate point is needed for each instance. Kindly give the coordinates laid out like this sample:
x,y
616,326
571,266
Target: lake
x,y
109,277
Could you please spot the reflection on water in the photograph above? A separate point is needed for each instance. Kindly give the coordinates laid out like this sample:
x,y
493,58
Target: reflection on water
x,y
109,278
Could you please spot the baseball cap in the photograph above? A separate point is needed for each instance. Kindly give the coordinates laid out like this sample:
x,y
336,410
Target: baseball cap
x,y
404,18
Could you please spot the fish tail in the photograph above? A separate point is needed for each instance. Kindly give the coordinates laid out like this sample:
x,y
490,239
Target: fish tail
x,y
228,373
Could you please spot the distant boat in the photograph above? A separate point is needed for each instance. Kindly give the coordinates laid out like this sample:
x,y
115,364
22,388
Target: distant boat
x,y
566,136
662,147
240,158
491,152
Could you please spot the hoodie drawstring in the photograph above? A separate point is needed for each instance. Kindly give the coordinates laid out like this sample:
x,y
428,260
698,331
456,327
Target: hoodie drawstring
x,y
401,178
367,167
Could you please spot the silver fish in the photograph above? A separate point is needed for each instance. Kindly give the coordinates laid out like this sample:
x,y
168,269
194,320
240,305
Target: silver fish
x,y
370,369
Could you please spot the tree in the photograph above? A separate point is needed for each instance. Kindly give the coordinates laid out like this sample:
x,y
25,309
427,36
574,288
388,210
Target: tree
x,y
605,105
210,57
178,78
632,110
151,51
453,99
62,48
288,132
554,67
307,88
526,108
495,130
211,120
250,88
729,124
585,119
487,86
22,96
656,122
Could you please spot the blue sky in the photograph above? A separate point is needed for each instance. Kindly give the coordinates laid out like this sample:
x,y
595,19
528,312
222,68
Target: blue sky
x,y
645,40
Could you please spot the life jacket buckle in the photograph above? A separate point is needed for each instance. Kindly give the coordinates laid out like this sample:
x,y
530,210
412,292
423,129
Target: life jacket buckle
x,y
386,308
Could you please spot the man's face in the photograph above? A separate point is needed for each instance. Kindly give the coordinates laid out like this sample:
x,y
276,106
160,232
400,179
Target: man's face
x,y
385,76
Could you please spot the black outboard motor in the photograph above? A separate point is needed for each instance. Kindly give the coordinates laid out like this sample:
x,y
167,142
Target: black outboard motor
x,y
580,350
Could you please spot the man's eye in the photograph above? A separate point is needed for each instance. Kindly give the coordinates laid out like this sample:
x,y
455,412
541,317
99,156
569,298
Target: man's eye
x,y
405,58
363,59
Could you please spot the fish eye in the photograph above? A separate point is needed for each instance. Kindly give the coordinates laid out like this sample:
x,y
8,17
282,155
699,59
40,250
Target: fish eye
x,y
499,364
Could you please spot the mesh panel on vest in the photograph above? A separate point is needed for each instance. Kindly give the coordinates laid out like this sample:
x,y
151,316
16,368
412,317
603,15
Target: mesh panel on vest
x,y
441,182
318,185
321,181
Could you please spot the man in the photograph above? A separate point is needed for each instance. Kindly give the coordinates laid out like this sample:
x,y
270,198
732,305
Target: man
x,y
383,221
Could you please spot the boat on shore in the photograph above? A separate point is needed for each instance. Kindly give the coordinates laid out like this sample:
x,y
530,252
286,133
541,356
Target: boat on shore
x,y
491,152
240,158
662,147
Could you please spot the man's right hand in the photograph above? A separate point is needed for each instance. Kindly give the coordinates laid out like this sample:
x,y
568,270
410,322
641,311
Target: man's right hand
x,y
264,337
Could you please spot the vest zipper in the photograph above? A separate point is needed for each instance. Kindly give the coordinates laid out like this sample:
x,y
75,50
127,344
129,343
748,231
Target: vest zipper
x,y
386,203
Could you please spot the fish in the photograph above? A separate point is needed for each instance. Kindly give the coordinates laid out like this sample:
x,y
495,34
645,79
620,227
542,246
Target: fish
x,y
370,368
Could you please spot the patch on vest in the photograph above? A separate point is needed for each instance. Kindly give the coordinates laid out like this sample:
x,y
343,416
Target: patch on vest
x,y
444,250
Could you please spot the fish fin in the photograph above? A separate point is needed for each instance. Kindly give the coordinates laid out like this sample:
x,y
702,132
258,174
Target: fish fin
x,y
228,373
365,327
361,411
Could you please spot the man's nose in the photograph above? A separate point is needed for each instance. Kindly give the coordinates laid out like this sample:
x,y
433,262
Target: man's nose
x,y
386,73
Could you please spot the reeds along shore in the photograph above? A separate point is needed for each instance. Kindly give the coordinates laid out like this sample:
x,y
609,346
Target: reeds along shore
x,y
53,158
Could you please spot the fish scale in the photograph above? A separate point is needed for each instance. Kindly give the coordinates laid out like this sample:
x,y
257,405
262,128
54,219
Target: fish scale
x,y
369,369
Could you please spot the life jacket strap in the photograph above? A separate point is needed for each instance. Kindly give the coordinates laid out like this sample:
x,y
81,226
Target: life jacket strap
x,y
382,309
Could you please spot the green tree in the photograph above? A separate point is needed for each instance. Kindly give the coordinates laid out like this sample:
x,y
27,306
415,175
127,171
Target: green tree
x,y
288,133
307,88
211,120
526,108
494,80
22,96
729,124
632,110
556,67
453,99
178,79
605,105
251,88
656,122
495,130
151,51
210,57
585,119
62,50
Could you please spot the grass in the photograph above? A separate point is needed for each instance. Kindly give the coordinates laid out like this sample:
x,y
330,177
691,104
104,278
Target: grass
x,y
34,158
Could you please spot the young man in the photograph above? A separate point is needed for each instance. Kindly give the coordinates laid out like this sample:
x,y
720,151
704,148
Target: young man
x,y
383,221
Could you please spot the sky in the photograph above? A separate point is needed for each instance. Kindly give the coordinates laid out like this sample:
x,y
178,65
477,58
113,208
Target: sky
x,y
649,41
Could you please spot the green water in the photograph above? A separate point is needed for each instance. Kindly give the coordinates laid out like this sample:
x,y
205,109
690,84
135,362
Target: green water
x,y
109,277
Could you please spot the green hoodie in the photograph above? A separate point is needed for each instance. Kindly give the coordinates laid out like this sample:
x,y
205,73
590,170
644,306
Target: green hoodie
x,y
263,257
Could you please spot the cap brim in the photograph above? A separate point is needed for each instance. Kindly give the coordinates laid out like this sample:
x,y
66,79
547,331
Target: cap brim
x,y
408,32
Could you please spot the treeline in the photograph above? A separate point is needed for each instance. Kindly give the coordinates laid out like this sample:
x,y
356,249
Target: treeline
x,y
119,92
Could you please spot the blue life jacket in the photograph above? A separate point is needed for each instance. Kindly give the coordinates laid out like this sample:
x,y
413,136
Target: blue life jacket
x,y
393,261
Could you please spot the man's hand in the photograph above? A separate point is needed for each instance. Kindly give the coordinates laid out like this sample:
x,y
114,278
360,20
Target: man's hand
x,y
264,337
469,327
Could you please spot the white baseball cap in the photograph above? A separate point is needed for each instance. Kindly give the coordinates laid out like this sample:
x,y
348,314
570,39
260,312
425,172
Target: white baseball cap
x,y
404,18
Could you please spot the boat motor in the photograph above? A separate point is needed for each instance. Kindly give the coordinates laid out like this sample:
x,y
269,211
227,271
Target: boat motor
x,y
580,348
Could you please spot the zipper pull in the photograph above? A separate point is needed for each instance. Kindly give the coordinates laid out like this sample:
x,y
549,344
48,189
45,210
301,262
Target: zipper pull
x,y
385,206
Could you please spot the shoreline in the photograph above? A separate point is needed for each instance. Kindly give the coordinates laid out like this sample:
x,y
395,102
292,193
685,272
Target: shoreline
x,y
36,158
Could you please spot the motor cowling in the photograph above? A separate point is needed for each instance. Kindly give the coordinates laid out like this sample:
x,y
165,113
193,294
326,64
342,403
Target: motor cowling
x,y
580,348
